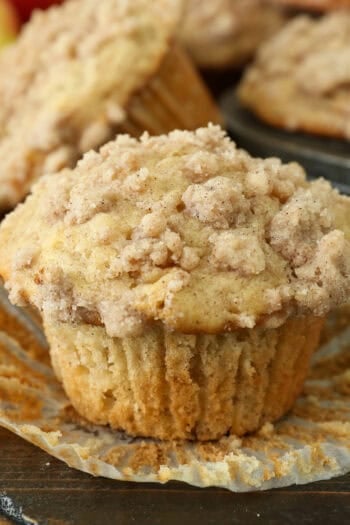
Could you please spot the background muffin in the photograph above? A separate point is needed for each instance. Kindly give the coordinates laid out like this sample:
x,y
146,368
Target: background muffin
x,y
182,282
300,78
225,33
81,72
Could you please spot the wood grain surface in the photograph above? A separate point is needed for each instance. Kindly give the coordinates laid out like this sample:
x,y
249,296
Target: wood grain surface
x,y
39,489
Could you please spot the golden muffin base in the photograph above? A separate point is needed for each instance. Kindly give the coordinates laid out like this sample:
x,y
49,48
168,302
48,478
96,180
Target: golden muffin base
x,y
169,385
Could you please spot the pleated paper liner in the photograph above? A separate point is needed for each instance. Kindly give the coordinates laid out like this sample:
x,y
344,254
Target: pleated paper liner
x,y
310,444
320,156
170,385
174,98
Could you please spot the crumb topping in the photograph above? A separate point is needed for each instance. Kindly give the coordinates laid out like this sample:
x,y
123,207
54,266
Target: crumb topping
x,y
314,38
321,278
71,82
183,228
302,222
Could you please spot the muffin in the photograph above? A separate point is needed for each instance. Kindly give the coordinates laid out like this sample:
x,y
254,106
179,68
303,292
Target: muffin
x,y
182,283
84,71
225,33
300,78
314,5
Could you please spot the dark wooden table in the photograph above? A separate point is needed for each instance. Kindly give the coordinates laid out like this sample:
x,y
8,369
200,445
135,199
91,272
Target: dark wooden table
x,y
51,493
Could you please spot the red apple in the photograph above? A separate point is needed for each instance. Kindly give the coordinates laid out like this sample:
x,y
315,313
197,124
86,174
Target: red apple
x,y
9,22
25,7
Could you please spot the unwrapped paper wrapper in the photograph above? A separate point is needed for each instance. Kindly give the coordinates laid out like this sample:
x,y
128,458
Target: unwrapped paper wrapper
x,y
310,444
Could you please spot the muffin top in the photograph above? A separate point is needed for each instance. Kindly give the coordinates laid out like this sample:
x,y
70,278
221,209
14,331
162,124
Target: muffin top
x,y
66,81
314,52
182,228
220,33
300,78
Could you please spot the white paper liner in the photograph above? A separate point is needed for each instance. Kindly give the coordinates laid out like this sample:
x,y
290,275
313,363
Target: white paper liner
x,y
311,444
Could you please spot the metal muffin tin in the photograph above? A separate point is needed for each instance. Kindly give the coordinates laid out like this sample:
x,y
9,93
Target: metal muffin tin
x,y
320,156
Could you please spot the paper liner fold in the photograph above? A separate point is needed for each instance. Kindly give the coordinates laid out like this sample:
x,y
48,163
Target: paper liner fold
x,y
310,444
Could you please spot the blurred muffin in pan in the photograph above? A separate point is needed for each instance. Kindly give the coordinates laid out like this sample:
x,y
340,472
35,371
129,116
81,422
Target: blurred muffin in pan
x,y
182,283
225,33
300,79
314,5
83,71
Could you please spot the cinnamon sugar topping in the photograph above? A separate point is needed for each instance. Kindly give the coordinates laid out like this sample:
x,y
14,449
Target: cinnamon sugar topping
x,y
167,228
